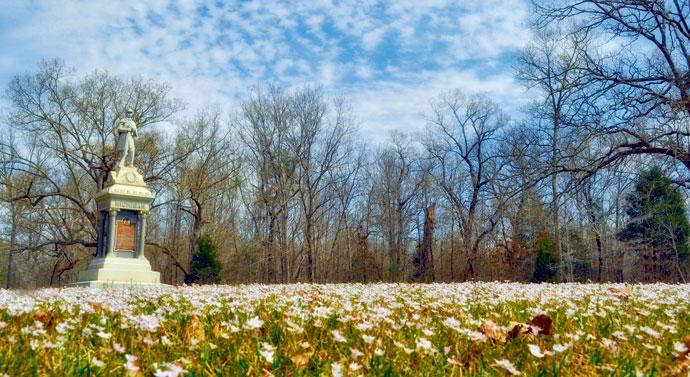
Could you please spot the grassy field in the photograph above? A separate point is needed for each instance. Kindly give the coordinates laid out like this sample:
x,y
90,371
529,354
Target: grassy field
x,y
349,330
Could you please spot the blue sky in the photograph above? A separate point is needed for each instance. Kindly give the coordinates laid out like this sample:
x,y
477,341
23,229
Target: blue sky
x,y
389,59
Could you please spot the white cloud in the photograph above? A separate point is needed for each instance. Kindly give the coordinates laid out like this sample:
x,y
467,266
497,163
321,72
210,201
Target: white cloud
x,y
328,74
364,70
216,58
371,39
400,106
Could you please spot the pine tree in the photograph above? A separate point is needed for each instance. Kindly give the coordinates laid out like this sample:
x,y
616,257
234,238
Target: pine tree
x,y
532,251
658,223
205,267
546,265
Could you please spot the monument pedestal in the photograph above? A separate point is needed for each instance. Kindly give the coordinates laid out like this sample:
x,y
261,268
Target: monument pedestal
x,y
118,271
123,207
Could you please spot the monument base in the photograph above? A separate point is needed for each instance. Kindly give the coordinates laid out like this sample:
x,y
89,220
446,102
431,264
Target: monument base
x,y
113,271
114,284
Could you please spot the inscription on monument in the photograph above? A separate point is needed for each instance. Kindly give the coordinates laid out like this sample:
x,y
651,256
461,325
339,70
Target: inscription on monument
x,y
126,204
126,236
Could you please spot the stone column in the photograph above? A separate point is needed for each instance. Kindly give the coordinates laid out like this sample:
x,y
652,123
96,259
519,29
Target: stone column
x,y
112,230
141,237
100,249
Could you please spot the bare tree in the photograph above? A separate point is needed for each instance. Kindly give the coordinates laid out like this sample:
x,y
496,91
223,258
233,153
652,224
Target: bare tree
x,y
640,67
321,148
12,185
296,150
462,143
266,128
207,174
551,65
349,187
396,183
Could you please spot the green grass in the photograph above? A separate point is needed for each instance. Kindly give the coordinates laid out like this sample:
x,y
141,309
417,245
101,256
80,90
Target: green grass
x,y
381,330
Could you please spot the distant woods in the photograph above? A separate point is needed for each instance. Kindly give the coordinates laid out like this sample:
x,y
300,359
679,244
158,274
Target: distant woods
x,y
590,184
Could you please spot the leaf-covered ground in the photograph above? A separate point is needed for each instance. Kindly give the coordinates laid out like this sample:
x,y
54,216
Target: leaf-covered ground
x,y
349,330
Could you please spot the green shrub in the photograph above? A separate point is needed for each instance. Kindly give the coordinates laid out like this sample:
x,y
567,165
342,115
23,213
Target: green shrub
x,y
546,265
205,267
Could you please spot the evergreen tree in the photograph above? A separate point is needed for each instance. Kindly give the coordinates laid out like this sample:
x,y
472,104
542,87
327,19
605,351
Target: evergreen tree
x,y
531,234
546,265
205,267
657,220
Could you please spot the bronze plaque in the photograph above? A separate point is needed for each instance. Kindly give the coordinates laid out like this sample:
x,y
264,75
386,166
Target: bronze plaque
x,y
126,235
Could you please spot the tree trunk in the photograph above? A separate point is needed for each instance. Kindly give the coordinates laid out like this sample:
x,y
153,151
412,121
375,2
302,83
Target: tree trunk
x,y
310,251
12,246
391,254
269,275
284,266
469,250
175,242
197,224
399,245
426,260
469,272
676,259
452,249
597,236
555,207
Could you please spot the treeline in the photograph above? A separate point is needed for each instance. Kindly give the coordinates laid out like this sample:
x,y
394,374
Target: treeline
x,y
590,184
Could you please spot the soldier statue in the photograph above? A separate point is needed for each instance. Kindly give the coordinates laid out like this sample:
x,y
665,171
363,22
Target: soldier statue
x,y
126,129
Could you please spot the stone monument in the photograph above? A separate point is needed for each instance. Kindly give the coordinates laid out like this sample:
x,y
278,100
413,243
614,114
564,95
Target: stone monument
x,y
123,206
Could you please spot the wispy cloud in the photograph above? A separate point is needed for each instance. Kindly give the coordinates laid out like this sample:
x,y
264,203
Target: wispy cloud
x,y
389,59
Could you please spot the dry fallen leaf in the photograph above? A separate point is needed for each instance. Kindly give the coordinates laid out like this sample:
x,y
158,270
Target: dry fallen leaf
x,y
684,357
42,316
624,292
493,331
136,371
301,359
517,329
194,330
101,308
542,321
216,330
452,361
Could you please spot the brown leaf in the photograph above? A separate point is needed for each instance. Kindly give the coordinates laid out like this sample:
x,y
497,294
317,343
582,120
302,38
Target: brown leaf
x,y
137,373
624,292
47,318
684,357
194,330
542,321
301,359
517,329
216,330
493,331
100,308
42,316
